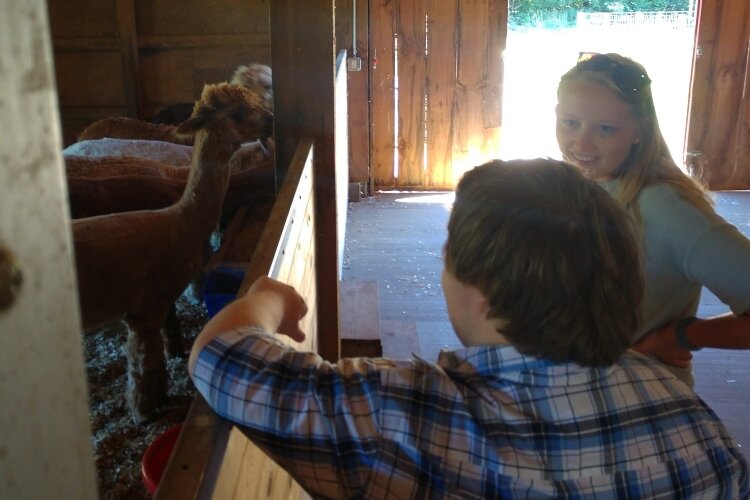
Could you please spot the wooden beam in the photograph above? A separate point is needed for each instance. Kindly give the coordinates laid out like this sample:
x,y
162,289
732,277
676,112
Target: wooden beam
x,y
126,24
303,60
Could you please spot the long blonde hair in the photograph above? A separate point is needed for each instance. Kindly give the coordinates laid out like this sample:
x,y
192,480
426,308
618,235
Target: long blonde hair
x,y
649,161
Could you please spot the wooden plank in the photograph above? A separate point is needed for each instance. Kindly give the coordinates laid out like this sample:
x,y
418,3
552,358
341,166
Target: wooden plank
x,y
268,251
198,450
400,338
302,51
358,91
341,153
90,79
470,147
720,72
202,40
82,19
91,44
492,91
191,17
412,68
441,91
360,319
382,100
128,31
45,446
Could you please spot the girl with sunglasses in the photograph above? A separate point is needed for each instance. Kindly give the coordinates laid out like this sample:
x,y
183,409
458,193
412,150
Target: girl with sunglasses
x,y
607,126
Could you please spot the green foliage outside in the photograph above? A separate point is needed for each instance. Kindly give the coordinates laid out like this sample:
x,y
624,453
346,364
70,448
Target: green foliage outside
x,y
562,13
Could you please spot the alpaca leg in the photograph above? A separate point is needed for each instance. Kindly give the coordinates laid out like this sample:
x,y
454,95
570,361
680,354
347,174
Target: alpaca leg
x,y
147,371
173,334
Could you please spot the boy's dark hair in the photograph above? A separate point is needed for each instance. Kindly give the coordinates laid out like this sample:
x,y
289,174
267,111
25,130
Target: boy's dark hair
x,y
554,254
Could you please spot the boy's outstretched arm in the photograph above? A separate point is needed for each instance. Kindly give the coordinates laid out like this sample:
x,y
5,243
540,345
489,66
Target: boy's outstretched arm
x,y
269,304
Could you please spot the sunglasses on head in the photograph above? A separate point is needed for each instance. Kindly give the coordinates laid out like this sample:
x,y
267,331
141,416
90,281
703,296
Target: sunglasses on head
x,y
629,79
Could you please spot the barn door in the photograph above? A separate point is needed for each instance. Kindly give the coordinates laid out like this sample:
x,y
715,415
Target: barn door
x,y
436,89
718,127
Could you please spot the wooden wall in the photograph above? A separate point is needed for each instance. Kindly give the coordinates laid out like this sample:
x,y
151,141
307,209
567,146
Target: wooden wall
x,y
718,130
436,89
128,58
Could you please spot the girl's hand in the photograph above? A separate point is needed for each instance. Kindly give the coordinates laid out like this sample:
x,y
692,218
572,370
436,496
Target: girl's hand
x,y
662,343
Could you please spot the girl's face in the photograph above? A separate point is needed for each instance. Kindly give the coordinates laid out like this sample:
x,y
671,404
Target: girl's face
x,y
595,129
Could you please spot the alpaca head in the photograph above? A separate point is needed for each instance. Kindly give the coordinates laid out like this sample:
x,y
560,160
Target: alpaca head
x,y
233,108
256,77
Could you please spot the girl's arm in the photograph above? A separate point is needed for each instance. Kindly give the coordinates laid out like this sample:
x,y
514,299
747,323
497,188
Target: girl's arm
x,y
727,331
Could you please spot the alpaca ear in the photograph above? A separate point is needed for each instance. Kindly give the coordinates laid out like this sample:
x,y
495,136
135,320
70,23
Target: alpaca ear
x,y
189,127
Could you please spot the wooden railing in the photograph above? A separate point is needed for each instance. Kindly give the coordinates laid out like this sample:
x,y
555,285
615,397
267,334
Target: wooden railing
x,y
212,459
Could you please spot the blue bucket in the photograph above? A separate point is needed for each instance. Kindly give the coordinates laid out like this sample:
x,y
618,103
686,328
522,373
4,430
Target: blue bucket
x,y
221,287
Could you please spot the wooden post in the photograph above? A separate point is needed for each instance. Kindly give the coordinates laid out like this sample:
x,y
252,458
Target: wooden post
x,y
303,56
45,447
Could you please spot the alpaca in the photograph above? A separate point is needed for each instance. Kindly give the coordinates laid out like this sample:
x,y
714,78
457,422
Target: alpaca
x,y
104,185
256,77
162,151
134,265
123,127
99,167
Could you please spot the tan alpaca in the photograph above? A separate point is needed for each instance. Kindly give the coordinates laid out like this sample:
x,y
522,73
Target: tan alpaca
x,y
123,127
107,185
134,265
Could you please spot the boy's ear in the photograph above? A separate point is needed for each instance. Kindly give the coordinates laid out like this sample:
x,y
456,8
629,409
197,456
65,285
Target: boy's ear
x,y
483,306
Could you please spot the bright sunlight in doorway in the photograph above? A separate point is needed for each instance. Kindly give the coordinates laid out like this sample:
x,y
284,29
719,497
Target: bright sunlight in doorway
x,y
535,58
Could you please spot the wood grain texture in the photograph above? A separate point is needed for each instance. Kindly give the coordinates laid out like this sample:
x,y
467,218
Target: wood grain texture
x,y
412,83
718,135
382,86
441,92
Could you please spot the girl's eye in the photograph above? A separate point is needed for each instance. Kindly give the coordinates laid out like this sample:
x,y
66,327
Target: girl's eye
x,y
568,123
607,129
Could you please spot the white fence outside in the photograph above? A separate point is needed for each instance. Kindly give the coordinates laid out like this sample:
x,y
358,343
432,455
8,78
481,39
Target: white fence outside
x,y
672,19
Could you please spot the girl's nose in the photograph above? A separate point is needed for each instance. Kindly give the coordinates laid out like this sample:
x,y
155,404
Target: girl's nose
x,y
583,138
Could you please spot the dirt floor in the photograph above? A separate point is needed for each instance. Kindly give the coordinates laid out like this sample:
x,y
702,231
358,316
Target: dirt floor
x,y
118,443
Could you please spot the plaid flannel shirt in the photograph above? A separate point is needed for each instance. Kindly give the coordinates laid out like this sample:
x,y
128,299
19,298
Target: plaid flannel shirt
x,y
484,422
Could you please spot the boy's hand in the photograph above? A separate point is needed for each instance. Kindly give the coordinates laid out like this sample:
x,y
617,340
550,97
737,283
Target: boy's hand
x,y
291,306
268,303
662,343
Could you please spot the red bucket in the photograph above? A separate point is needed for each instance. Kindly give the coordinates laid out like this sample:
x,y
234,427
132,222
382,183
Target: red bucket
x,y
156,457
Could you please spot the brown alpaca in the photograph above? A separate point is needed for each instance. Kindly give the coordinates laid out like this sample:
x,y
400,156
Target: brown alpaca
x,y
123,127
106,185
134,265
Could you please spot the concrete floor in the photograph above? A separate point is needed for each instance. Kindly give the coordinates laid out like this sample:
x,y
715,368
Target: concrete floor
x,y
395,239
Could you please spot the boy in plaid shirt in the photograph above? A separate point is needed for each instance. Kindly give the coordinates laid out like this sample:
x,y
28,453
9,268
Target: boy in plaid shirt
x,y
543,287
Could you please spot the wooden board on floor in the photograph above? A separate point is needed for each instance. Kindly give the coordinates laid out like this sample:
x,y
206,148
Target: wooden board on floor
x,y
359,319
400,339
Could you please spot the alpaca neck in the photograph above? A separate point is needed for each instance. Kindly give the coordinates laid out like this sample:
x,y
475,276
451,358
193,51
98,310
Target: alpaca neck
x,y
209,175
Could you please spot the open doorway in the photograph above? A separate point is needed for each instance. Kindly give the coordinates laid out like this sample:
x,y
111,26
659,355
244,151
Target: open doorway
x,y
536,56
